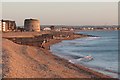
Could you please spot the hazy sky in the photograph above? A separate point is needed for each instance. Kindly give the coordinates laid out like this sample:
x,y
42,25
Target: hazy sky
x,y
77,13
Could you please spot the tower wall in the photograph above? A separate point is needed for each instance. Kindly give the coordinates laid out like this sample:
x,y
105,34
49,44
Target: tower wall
x,y
32,25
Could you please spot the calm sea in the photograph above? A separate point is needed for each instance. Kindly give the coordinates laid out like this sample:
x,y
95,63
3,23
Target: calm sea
x,y
103,49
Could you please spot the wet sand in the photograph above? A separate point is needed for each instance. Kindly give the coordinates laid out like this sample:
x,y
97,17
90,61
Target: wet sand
x,y
23,61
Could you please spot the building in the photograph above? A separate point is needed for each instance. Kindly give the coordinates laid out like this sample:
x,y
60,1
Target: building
x,y
7,25
32,25
47,29
52,27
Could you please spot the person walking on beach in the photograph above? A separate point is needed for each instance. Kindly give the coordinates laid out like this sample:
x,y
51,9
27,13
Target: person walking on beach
x,y
42,45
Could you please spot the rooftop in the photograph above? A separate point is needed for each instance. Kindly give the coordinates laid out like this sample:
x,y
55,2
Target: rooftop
x,y
31,19
7,20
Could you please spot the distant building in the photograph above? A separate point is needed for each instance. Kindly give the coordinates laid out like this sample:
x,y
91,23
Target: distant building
x,y
52,27
47,29
7,25
64,29
71,29
20,29
57,29
32,25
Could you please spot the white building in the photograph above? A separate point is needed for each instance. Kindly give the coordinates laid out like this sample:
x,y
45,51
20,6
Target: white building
x,y
7,25
47,29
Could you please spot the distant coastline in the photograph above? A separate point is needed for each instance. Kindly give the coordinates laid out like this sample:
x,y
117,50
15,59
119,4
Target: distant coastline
x,y
87,27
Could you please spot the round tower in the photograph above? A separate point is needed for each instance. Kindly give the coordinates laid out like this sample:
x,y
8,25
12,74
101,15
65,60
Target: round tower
x,y
32,25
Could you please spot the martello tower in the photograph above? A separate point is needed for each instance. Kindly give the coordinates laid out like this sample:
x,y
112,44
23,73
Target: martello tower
x,y
32,25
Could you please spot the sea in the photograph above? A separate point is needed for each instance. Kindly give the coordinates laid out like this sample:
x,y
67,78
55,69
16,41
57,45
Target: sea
x,y
102,47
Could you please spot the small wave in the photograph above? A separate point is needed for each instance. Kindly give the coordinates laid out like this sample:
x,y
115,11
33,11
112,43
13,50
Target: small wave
x,y
74,43
86,59
92,38
76,57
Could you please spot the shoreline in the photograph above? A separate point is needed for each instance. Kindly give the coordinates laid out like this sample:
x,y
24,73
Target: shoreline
x,y
83,67
78,69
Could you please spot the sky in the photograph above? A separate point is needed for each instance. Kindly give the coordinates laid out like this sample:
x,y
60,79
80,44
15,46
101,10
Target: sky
x,y
65,13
